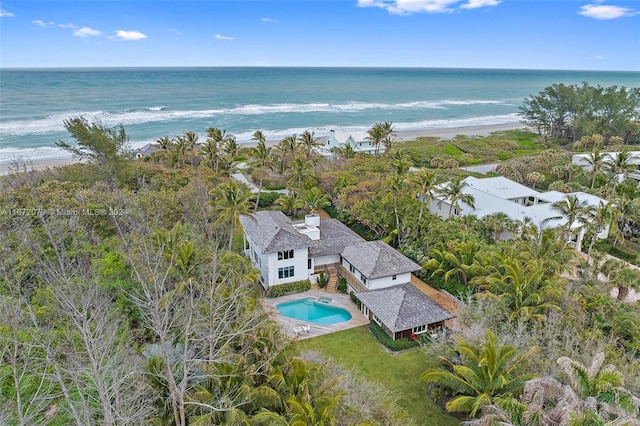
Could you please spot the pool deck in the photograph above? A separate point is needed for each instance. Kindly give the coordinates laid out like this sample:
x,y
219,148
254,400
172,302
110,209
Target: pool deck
x,y
287,325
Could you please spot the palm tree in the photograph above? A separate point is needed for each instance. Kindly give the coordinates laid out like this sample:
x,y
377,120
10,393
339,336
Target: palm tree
x,y
523,288
497,223
307,141
622,163
314,199
601,218
485,373
287,148
593,396
180,149
219,139
377,134
572,209
211,153
230,201
310,399
545,247
261,159
598,164
621,276
289,203
461,263
231,146
453,192
298,172
424,181
388,136
601,382
346,151
165,143
627,208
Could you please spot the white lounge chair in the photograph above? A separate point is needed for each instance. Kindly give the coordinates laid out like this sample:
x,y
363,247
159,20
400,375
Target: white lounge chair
x,y
306,328
298,330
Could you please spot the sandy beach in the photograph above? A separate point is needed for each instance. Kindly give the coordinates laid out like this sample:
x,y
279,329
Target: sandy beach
x,y
7,167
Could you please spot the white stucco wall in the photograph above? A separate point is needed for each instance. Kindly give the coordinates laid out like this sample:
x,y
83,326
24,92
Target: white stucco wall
x,y
441,209
388,281
299,262
326,260
379,282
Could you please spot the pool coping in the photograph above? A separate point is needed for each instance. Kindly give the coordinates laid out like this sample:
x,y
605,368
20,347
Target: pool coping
x,y
289,325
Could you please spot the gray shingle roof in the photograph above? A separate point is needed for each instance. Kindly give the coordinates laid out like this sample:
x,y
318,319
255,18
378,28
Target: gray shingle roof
x,y
272,231
334,237
403,306
376,259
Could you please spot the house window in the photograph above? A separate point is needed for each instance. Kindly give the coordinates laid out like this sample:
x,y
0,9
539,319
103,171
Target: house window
x,y
308,263
376,320
394,277
287,254
352,269
285,272
419,329
363,279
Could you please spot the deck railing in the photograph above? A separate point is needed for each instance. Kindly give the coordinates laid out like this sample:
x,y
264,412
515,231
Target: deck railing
x,y
353,282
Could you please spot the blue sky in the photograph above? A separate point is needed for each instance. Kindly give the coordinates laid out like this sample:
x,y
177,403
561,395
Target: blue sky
x,y
547,34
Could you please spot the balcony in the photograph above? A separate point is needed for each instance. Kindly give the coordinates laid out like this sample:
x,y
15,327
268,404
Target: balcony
x,y
353,282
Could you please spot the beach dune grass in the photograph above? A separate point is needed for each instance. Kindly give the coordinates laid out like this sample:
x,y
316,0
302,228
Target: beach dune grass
x,y
357,350
484,149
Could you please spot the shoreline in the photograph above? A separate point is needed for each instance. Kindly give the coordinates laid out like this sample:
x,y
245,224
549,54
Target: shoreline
x,y
401,136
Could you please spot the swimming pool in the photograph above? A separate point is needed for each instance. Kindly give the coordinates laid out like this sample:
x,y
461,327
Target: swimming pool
x,y
311,311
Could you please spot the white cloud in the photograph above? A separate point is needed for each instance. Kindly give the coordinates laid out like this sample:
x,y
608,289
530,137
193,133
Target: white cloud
x,y
600,57
603,11
86,32
42,24
405,7
221,37
475,4
69,26
274,21
5,13
129,35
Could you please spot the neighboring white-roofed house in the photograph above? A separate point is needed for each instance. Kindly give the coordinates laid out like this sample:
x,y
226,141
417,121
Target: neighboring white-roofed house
x,y
633,161
501,195
357,140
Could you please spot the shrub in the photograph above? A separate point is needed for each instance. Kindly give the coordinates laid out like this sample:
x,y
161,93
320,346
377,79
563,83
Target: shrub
x,y
394,345
275,187
355,300
331,211
267,198
294,287
452,151
342,285
323,279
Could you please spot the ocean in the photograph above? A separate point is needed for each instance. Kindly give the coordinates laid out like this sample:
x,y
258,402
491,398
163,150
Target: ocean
x,y
154,102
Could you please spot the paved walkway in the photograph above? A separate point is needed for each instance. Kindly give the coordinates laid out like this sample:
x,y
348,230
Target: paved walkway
x,y
254,189
633,296
287,325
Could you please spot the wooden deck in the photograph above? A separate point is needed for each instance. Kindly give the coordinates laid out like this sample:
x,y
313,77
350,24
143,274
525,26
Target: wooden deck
x,y
443,299
287,325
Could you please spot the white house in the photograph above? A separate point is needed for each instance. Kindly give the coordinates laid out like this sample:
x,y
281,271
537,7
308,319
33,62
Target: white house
x,y
375,265
357,140
582,160
501,195
287,251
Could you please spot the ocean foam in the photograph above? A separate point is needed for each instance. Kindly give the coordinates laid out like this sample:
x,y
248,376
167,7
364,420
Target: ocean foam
x,y
55,123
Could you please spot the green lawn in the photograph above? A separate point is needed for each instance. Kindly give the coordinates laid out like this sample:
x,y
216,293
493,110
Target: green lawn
x,y
357,350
